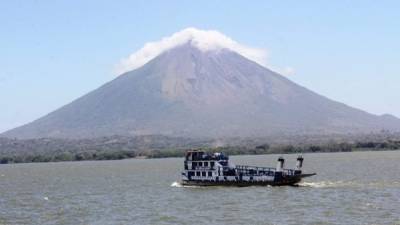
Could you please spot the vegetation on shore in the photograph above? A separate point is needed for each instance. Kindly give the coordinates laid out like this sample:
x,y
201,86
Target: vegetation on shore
x,y
16,150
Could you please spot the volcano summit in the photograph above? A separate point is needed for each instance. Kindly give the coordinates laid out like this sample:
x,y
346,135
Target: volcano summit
x,y
188,87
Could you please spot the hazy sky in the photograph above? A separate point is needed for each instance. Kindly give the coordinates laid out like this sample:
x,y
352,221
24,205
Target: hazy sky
x,y
52,52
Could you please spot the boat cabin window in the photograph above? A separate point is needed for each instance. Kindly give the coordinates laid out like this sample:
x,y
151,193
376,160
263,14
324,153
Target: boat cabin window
x,y
194,164
212,164
191,173
200,163
210,174
198,173
205,163
203,173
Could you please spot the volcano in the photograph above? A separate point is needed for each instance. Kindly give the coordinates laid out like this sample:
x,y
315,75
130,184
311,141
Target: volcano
x,y
186,91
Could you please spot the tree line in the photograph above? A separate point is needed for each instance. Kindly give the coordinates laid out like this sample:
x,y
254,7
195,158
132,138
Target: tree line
x,y
53,151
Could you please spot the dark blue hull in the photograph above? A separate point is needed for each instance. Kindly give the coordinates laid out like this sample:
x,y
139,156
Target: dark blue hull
x,y
282,181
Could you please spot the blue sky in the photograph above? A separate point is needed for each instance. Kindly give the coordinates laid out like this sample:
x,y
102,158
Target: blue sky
x,y
52,52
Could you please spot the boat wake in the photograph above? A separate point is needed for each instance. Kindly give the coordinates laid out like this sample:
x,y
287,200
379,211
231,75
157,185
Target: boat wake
x,y
176,184
327,184
349,184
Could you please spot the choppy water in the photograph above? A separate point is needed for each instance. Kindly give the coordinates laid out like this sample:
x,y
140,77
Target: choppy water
x,y
350,188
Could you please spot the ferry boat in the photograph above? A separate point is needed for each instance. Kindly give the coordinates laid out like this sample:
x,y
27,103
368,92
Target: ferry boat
x,y
214,169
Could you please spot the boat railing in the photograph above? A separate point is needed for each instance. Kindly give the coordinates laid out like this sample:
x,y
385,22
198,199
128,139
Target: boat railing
x,y
208,158
256,170
204,167
201,156
289,172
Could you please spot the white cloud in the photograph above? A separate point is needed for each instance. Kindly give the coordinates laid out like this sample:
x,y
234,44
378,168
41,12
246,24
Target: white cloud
x,y
204,40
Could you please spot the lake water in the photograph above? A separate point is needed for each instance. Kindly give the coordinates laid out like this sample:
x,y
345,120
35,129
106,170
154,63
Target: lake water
x,y
350,188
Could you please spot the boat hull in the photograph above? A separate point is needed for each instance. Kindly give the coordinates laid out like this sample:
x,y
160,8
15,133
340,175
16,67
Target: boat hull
x,y
288,181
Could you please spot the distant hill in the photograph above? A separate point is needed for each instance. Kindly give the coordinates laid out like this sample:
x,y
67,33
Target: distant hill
x,y
187,92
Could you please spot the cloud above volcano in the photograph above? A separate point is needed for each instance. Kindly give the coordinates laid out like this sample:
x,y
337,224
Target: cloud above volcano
x,y
205,40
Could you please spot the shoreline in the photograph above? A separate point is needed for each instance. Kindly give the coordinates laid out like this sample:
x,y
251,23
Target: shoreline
x,y
160,154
